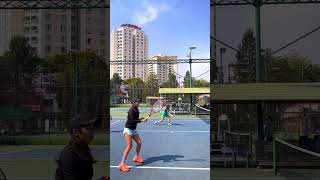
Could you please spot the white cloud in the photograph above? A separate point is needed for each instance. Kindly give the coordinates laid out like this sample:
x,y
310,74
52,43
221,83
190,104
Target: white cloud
x,y
149,13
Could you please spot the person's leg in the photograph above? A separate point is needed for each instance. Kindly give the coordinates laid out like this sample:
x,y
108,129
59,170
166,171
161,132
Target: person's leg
x,y
137,139
128,140
161,120
169,120
137,158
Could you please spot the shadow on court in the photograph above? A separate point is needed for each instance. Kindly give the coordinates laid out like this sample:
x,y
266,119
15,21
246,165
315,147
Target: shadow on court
x,y
169,158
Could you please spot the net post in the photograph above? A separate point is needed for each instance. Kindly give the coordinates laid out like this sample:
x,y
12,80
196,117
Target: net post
x,y
195,110
274,156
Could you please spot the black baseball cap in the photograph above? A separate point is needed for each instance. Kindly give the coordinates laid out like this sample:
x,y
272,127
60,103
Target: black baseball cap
x,y
135,100
82,121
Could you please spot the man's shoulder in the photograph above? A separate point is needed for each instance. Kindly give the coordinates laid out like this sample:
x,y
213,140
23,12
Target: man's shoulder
x,y
68,151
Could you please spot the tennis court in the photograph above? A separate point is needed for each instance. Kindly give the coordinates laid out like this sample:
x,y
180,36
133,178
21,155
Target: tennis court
x,y
38,162
179,152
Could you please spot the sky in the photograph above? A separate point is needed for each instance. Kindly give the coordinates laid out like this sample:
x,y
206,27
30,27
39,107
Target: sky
x,y
172,27
280,24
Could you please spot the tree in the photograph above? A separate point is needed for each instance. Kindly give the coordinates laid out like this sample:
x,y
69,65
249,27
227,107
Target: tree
x,y
172,81
136,87
22,61
200,83
213,66
151,86
92,86
300,69
115,82
245,66
186,79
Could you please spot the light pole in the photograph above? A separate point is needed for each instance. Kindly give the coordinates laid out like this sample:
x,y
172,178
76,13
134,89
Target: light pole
x,y
190,80
190,63
222,51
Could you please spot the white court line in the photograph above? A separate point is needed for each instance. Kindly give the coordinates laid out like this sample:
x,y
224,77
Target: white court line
x,y
156,131
115,122
171,168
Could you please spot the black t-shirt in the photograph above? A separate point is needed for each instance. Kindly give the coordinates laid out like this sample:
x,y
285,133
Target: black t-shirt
x,y
75,163
133,118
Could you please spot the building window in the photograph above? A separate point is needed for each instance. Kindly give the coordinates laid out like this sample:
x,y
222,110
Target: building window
x,y
49,27
48,48
48,17
88,41
48,37
63,18
63,28
63,39
63,49
34,40
26,30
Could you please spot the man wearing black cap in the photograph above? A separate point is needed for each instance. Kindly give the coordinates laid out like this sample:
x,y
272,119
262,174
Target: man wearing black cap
x,y
75,161
129,133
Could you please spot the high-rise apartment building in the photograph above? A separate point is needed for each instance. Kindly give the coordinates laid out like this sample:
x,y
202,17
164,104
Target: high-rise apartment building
x,y
129,43
53,32
162,70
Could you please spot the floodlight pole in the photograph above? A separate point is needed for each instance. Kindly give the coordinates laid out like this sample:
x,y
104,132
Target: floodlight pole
x,y
190,80
259,68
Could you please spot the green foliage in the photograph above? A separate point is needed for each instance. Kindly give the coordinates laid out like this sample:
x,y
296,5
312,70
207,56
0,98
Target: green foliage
x,y
92,82
172,81
200,83
245,66
20,63
136,87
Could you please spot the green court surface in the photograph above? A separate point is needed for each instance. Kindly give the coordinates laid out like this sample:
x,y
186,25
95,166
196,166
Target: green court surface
x,y
144,112
254,173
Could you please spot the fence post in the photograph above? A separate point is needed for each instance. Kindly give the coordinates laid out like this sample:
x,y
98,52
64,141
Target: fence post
x,y
274,156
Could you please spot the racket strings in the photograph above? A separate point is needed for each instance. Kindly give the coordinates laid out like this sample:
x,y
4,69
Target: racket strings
x,y
158,106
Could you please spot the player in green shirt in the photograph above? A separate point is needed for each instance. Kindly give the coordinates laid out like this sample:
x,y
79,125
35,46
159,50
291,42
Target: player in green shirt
x,y
165,114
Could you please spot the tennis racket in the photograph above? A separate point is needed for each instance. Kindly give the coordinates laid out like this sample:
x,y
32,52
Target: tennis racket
x,y
2,175
158,106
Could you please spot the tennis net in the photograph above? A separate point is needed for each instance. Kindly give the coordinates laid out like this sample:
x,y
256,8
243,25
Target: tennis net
x,y
290,155
240,143
202,112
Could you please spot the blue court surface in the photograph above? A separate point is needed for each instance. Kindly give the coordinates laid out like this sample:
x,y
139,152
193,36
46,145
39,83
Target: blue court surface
x,y
177,152
37,162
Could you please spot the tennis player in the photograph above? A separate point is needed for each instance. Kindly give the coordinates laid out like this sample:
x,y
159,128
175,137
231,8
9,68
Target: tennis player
x,y
165,114
130,133
76,161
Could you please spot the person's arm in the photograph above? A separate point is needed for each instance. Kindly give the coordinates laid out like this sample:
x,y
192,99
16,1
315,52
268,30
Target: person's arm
x,y
69,165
